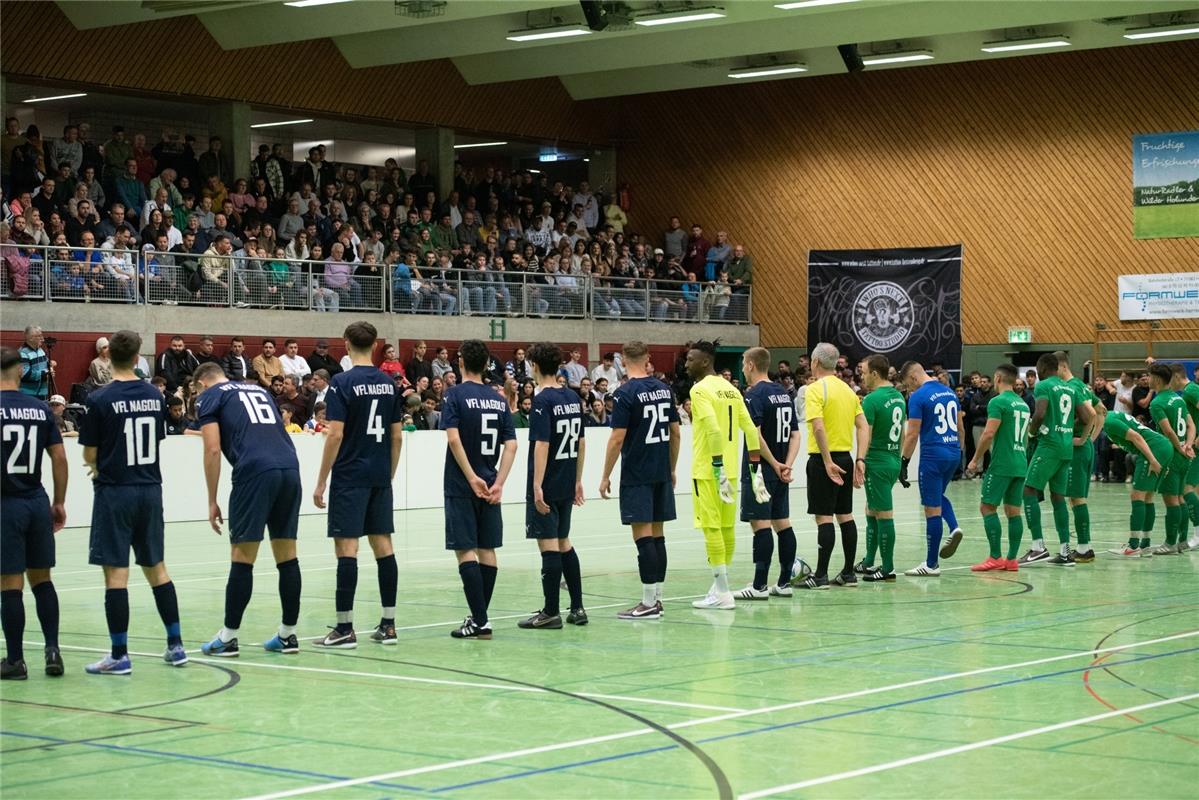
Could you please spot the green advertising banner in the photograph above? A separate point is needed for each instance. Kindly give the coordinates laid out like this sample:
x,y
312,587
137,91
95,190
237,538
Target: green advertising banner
x,y
1165,185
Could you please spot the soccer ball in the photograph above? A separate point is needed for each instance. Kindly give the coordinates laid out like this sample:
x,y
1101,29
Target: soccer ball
x,y
799,571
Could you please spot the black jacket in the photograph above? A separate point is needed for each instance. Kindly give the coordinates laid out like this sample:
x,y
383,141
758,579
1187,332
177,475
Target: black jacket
x,y
175,367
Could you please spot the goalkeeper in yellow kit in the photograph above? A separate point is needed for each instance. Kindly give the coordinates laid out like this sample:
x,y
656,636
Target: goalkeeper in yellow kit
x,y
717,411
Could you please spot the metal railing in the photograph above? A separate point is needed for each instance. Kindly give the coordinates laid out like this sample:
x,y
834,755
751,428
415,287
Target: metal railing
x,y
122,275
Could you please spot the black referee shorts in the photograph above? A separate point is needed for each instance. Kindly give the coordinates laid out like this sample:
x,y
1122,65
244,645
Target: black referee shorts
x,y
825,498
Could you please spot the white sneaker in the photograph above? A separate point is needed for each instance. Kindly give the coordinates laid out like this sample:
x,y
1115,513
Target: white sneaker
x,y
1165,550
924,570
780,591
1194,541
750,593
723,601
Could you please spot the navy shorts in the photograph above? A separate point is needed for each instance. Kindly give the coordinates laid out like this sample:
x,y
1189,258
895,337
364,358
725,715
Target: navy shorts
x,y
934,478
360,510
777,507
554,525
125,517
26,534
649,502
269,502
472,523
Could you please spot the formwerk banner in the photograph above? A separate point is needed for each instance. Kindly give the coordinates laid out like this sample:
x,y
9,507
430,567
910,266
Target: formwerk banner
x,y
1167,295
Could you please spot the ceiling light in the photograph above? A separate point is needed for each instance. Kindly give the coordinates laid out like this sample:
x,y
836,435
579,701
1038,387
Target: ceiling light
x,y
478,144
550,33
811,4
307,3
1026,44
1153,33
284,122
762,72
671,17
56,97
897,58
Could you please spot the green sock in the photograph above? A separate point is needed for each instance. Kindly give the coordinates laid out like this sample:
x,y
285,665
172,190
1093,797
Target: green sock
x,y
1032,512
1082,523
1150,515
886,535
1184,528
1136,521
1173,520
1192,501
871,541
994,531
1015,532
1061,520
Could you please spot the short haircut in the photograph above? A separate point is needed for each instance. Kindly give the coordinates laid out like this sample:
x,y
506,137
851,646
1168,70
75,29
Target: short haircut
x,y
1007,373
286,342
173,401
323,374
546,356
635,351
177,338
207,370
361,335
1178,369
759,357
825,355
474,355
879,365
1046,365
267,341
318,408
907,368
10,358
706,347
236,339
1162,372
158,380
1063,358
206,338
124,347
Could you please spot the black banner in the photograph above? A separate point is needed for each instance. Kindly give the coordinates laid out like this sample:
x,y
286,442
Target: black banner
x,y
903,303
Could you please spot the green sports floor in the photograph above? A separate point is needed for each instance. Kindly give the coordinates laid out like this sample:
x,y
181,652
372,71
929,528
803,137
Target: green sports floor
x,y
1050,682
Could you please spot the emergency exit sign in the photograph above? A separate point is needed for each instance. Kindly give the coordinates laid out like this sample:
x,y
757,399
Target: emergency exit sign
x,y
1019,335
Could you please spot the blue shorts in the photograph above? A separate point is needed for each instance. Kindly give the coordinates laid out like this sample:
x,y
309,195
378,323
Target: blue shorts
x,y
777,507
269,502
934,478
649,502
472,523
554,525
360,510
125,517
26,534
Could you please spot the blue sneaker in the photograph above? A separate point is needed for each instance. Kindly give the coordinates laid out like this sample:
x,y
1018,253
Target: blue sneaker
x,y
279,644
175,655
218,648
110,666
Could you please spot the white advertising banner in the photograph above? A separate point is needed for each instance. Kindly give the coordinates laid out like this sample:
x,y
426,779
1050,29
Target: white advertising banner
x,y
1167,295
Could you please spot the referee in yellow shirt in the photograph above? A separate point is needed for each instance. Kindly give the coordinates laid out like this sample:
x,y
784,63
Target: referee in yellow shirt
x,y
833,412
717,411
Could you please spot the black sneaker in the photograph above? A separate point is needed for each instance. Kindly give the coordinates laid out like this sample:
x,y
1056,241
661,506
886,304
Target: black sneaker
x,y
1033,555
812,582
640,611
1083,558
862,568
541,620
469,630
15,671
54,666
951,544
385,634
846,579
577,616
876,575
1060,560
343,640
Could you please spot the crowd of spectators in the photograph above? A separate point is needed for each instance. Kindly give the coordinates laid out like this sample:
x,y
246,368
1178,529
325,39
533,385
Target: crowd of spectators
x,y
278,234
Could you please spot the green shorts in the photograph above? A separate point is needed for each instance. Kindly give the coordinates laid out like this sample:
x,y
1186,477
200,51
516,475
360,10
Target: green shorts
x,y
880,480
1079,484
1145,481
1000,490
1174,475
1049,470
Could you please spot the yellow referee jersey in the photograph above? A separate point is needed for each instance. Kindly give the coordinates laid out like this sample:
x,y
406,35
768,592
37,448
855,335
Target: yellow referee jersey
x,y
717,411
831,399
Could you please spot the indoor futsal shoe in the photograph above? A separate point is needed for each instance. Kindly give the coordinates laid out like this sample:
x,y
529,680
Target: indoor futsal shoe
x,y
218,648
1127,552
1083,558
989,565
813,582
640,611
175,655
923,571
876,575
577,616
13,670
951,544
282,644
1034,555
54,667
661,608
1060,560
541,620
1165,550
861,568
1011,565
781,590
335,639
845,579
716,600
751,593
385,633
110,666
469,630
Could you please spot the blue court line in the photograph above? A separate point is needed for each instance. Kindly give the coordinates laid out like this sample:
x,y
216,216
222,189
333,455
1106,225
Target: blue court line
x,y
203,759
780,726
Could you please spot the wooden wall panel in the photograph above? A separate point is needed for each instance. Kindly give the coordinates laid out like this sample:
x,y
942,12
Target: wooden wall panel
x,y
1026,161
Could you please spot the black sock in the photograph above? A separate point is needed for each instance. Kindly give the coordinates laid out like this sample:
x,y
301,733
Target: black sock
x,y
47,611
826,537
116,611
551,580
660,546
168,610
238,591
573,574
472,587
389,581
786,555
12,615
763,557
347,584
489,574
290,586
849,545
647,560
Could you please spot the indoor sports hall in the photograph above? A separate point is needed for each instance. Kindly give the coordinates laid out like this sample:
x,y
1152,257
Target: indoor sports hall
x,y
943,256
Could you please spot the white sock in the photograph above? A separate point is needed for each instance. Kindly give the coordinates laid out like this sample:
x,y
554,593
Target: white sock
x,y
721,574
1064,549
1038,545
1084,548
389,612
228,634
345,617
658,592
647,594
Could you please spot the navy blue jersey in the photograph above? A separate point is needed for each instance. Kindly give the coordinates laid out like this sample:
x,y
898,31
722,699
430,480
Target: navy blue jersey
x,y
27,428
645,408
125,423
484,423
936,406
773,411
366,401
252,435
557,418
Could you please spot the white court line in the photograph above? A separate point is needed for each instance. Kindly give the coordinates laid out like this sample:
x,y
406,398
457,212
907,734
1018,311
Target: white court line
x,y
1011,737
528,751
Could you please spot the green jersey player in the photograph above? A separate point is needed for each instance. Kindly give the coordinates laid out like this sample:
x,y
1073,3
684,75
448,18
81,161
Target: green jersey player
x,y
1169,413
885,412
1006,437
1153,450
1079,484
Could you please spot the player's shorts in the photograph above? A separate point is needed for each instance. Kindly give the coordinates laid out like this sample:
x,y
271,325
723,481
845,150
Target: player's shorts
x,y
933,478
709,510
26,534
880,482
1145,481
1192,476
1048,469
826,498
269,502
1007,490
360,510
125,517
472,523
554,525
647,502
1079,482
1174,475
777,507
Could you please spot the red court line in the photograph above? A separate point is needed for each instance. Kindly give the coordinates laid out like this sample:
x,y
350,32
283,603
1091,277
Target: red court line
x,y
1086,682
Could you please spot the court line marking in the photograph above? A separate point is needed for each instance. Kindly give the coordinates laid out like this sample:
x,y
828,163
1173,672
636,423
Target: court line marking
x,y
528,751
964,748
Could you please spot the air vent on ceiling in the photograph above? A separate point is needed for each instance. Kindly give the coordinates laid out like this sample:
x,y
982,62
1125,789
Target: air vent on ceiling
x,y
420,9
186,6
